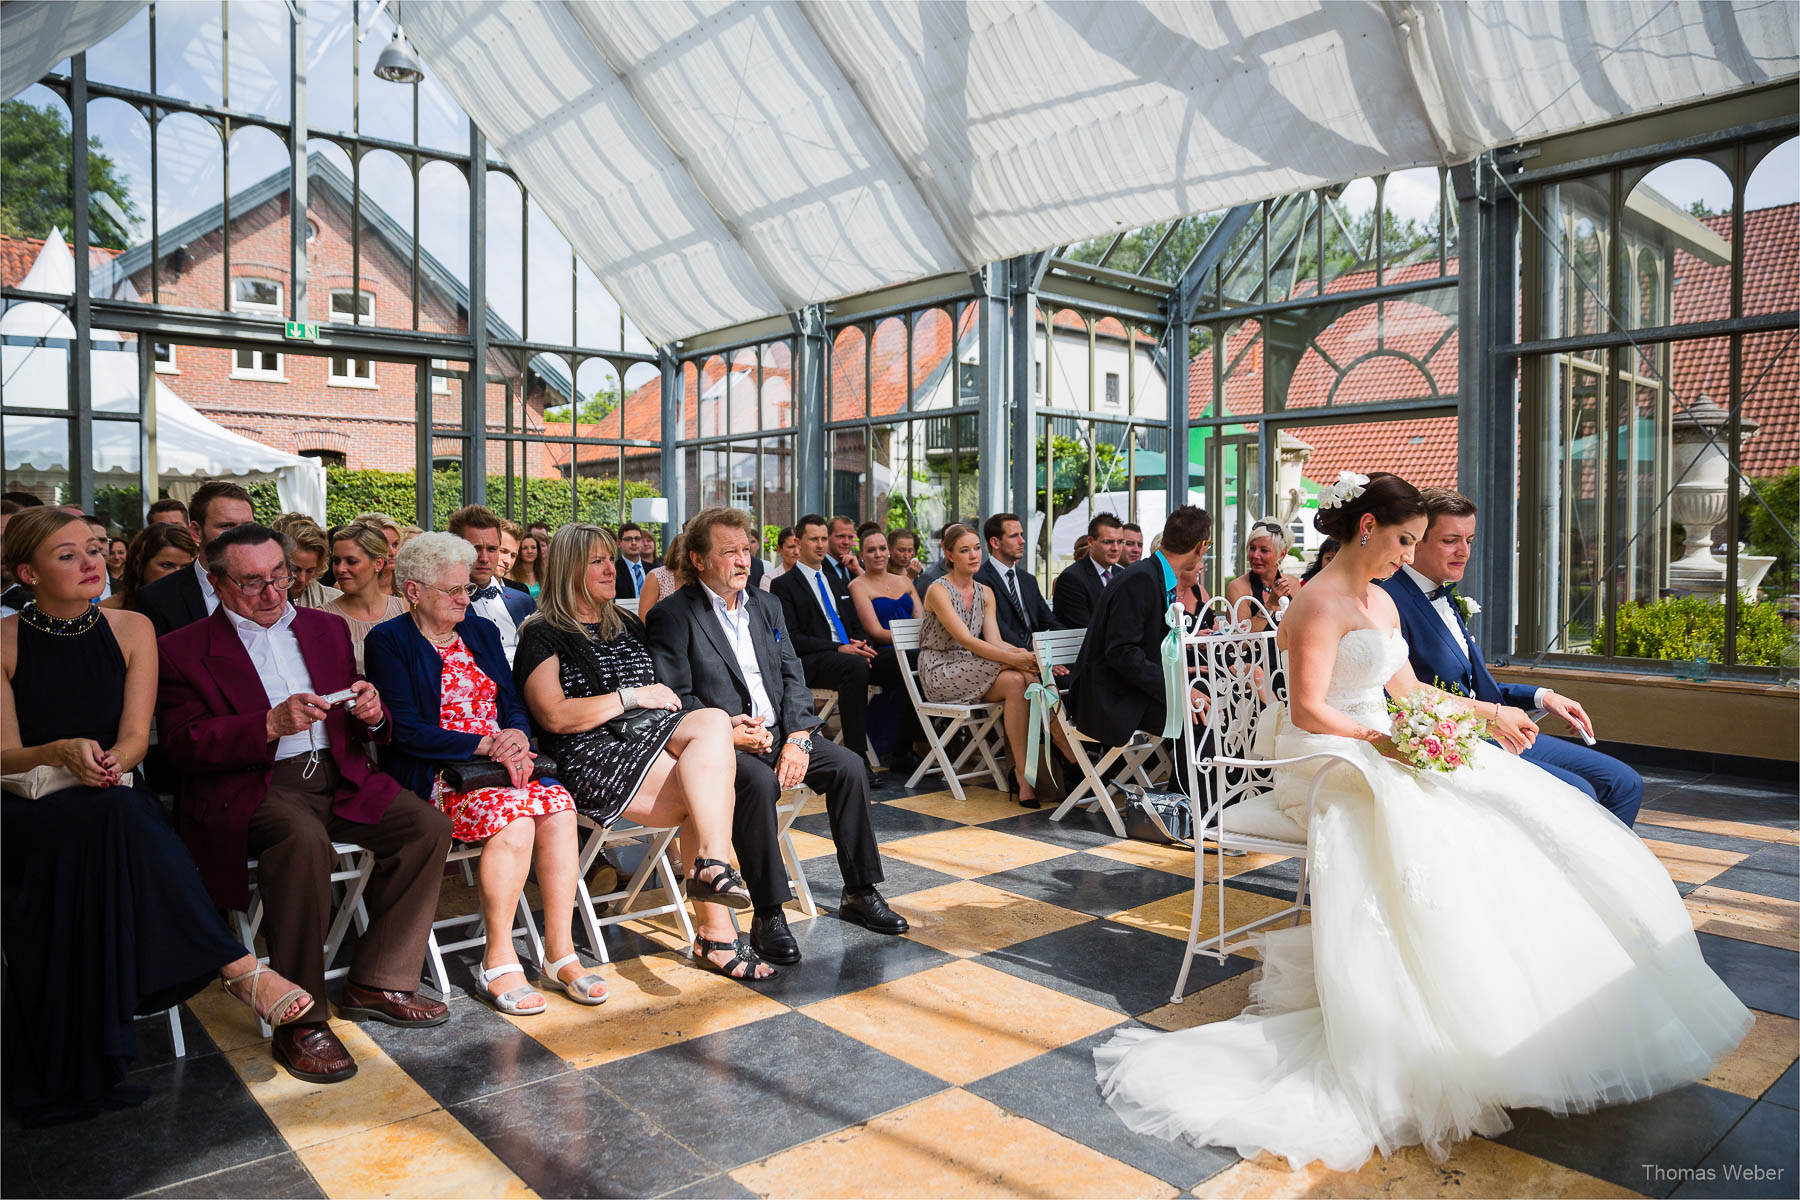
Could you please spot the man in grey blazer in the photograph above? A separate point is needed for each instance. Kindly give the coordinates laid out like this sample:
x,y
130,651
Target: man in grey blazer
x,y
718,643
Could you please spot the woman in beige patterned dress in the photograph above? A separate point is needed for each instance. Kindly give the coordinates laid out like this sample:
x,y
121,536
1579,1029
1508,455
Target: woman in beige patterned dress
x,y
962,659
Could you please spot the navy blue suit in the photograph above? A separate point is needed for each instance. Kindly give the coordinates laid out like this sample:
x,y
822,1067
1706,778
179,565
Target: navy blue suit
x,y
409,672
1437,656
518,602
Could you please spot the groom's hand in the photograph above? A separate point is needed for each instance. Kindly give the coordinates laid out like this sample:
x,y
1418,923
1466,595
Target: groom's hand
x,y
1514,728
1570,711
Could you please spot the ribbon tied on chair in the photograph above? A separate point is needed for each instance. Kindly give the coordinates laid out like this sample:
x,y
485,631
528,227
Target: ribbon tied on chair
x,y
1043,698
1175,689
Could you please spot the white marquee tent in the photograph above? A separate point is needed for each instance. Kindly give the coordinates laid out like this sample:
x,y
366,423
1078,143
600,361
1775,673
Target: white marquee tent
x,y
190,448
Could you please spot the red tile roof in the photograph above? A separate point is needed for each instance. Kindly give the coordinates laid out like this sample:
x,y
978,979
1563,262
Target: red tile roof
x,y
18,253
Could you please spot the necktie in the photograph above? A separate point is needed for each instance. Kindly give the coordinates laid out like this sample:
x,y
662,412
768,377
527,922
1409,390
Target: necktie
x,y
637,576
1105,576
1012,589
490,592
837,625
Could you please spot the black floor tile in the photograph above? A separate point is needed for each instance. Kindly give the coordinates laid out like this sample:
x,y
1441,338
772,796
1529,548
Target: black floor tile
x,y
890,823
1128,970
1080,830
1693,837
1090,884
800,1079
1759,1157
1772,871
1276,879
199,1119
568,1136
1058,1091
1722,799
279,1176
719,1187
838,957
476,1052
157,1049
900,877
1645,1147
1763,977
1786,1090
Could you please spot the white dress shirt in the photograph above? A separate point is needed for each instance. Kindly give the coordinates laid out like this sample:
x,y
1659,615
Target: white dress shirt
x,y
1448,616
1009,582
813,576
206,587
1105,580
494,609
736,622
275,653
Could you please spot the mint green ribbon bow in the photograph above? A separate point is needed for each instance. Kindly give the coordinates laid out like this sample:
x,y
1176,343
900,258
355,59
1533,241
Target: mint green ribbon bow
x,y
1044,699
1175,691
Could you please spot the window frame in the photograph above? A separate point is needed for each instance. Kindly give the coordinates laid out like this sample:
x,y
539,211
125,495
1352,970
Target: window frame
x,y
351,378
265,374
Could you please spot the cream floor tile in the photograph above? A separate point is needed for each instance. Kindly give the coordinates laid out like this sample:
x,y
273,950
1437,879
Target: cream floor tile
x,y
308,1114
969,852
968,918
983,804
429,1155
228,1021
962,1021
1692,864
810,845
1742,829
1220,1002
950,1144
1170,915
1746,916
1476,1168
656,1000
1766,1051
1176,860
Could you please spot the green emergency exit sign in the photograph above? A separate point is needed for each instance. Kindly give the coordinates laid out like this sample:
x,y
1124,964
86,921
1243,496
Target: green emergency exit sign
x,y
302,331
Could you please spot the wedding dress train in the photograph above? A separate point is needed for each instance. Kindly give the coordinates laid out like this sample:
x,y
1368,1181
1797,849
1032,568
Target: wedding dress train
x,y
1482,940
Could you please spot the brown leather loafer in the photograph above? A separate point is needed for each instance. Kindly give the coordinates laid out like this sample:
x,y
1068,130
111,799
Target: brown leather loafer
x,y
313,1053
407,1009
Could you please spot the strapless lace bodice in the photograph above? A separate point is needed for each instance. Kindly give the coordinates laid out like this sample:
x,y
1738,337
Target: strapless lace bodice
x,y
1366,660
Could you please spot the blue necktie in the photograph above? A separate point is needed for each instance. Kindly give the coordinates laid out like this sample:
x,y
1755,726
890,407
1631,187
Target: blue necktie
x,y
837,626
637,576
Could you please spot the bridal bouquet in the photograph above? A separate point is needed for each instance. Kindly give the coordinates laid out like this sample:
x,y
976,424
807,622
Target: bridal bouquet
x,y
1434,736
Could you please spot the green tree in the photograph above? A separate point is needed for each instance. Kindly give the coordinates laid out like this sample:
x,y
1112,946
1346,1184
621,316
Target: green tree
x,y
37,194
591,411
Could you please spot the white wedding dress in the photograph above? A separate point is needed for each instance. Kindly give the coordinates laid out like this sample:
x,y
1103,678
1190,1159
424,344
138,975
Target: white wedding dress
x,y
1482,940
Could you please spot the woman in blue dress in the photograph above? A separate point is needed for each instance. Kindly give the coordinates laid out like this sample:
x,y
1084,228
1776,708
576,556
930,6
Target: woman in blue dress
x,y
881,599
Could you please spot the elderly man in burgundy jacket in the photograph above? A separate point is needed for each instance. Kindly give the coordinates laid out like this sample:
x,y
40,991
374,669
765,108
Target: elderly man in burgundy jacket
x,y
269,770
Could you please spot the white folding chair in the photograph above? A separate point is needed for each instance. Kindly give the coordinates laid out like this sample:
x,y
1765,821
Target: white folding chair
x,y
789,806
656,863
980,720
1061,647
348,879
464,854
629,605
1237,811
827,700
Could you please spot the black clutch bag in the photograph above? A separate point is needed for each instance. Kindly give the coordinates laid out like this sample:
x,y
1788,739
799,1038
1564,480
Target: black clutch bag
x,y
484,772
636,725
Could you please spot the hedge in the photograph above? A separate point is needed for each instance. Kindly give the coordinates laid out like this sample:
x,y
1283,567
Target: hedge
x,y
349,492
1688,627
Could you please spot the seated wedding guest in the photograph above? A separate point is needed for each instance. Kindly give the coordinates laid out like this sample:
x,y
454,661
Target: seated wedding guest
x,y
636,559
1119,677
662,581
510,533
1019,608
396,537
541,529
962,658
787,547
116,551
1133,535
718,643
1264,549
408,533
449,691
832,645
156,551
505,607
622,744
105,915
167,512
1077,590
841,560
903,553
311,552
359,561
281,783
1076,555
528,568
1327,551
183,597
880,598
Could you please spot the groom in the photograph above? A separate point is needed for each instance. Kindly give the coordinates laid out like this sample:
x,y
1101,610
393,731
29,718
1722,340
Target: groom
x,y
1433,621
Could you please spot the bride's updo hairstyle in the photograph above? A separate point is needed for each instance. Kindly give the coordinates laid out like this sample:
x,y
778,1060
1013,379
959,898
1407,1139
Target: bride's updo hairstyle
x,y
1390,498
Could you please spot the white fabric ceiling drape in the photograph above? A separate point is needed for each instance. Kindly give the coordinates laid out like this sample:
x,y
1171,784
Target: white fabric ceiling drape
x,y
35,35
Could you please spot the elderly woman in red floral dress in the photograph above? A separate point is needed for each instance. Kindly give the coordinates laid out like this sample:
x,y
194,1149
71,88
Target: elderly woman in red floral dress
x,y
449,689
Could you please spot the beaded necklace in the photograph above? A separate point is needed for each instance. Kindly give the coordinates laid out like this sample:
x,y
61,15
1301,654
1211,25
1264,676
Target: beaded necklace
x,y
43,622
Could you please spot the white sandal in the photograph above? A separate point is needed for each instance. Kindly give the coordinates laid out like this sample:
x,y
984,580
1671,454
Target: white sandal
x,y
578,989
510,1000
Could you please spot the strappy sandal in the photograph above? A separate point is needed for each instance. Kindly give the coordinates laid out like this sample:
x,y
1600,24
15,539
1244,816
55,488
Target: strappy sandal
x,y
510,1000
719,889
579,989
744,955
281,1004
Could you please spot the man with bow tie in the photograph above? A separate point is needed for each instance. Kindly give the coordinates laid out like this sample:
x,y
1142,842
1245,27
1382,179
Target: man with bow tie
x,y
1434,621
506,607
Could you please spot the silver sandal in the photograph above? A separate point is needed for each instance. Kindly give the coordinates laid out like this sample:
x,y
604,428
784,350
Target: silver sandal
x,y
577,989
509,1001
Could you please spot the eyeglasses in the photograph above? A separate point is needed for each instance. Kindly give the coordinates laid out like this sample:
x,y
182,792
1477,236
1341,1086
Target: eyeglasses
x,y
466,591
254,587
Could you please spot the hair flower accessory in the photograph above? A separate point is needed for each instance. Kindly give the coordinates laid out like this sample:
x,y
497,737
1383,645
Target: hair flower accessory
x,y
1348,487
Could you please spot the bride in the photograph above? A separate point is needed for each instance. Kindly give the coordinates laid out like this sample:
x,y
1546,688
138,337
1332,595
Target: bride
x,y
1480,940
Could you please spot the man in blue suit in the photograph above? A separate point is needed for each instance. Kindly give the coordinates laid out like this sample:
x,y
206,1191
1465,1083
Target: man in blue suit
x,y
505,607
1434,620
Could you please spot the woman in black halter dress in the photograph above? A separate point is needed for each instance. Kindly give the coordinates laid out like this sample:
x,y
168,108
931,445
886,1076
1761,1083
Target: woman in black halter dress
x,y
104,914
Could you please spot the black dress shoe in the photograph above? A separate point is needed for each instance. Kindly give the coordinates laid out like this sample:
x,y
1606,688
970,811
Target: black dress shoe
x,y
868,909
771,938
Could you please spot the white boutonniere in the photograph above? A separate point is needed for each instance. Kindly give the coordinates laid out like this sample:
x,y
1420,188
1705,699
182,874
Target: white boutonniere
x,y
1468,606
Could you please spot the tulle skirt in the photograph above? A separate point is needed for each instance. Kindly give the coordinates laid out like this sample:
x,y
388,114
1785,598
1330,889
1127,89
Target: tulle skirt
x,y
1484,940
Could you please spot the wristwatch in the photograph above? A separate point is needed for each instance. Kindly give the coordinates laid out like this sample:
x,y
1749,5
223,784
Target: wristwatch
x,y
801,742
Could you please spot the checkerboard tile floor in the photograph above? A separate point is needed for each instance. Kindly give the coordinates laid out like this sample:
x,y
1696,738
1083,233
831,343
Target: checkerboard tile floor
x,y
956,1061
